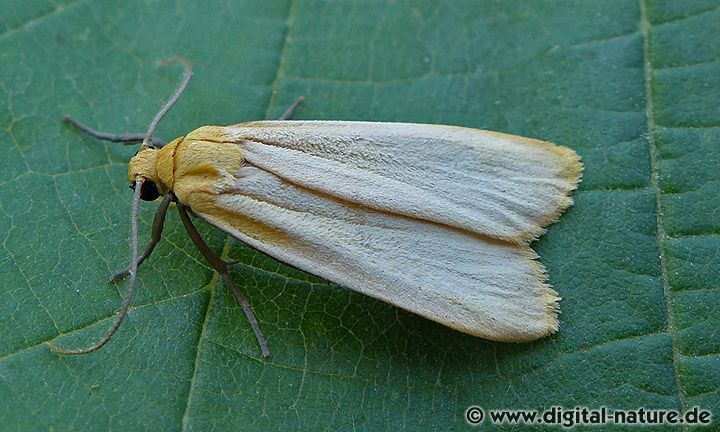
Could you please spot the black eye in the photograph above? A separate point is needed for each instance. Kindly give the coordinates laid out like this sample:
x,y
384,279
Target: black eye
x,y
149,191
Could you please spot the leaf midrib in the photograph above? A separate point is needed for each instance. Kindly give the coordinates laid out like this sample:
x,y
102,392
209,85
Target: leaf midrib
x,y
654,184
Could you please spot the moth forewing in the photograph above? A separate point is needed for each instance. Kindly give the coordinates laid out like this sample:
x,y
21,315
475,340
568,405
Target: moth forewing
x,y
479,286
494,184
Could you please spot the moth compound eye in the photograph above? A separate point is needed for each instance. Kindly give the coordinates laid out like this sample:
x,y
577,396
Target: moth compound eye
x,y
149,191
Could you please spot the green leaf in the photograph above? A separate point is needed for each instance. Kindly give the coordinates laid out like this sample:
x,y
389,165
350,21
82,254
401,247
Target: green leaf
x,y
631,85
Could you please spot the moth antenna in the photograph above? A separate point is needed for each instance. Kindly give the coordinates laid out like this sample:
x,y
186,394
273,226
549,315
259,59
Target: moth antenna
x,y
131,283
173,100
126,139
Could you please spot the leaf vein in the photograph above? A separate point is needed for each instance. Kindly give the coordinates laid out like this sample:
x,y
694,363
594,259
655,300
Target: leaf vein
x,y
29,23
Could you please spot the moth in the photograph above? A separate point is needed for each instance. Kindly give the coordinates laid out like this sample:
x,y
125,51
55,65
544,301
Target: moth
x,y
434,219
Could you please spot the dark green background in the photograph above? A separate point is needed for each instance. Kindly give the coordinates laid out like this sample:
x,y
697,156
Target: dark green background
x,y
633,86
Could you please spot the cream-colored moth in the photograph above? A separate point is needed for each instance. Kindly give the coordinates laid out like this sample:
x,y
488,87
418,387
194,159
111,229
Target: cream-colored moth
x,y
434,219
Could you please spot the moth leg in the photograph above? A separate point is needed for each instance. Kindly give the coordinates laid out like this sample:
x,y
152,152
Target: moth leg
x,y
127,139
290,111
157,229
222,268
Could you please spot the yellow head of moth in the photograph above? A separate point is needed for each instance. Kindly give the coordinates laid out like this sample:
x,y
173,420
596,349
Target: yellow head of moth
x,y
155,166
